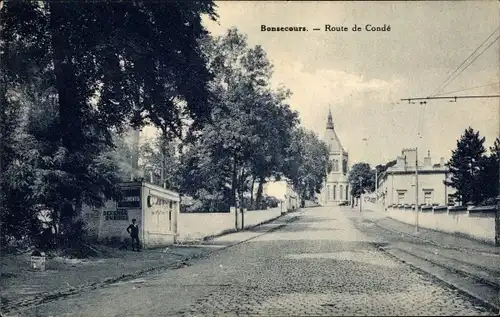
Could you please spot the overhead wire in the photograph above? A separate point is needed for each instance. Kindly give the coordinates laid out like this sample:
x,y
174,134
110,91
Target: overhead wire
x,y
463,69
440,87
467,89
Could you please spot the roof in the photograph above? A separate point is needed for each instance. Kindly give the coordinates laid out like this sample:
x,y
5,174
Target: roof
x,y
330,137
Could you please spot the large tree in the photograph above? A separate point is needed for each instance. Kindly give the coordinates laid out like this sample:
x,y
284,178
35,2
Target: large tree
x,y
489,174
361,178
467,167
100,66
307,163
251,123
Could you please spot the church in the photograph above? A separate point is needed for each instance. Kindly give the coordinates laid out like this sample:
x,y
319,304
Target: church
x,y
336,185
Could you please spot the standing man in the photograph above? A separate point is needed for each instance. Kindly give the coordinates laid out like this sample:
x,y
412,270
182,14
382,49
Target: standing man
x,y
133,230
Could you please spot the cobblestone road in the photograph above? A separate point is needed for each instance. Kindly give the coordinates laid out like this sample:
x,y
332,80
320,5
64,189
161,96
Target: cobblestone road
x,y
317,265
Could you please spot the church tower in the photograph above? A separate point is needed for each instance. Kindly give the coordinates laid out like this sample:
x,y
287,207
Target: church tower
x,y
336,186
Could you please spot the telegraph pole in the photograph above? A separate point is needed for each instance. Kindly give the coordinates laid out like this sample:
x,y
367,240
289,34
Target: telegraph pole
x,y
360,193
416,184
416,189
454,99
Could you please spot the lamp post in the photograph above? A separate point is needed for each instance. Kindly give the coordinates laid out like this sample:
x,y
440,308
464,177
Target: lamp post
x,y
416,184
376,174
360,193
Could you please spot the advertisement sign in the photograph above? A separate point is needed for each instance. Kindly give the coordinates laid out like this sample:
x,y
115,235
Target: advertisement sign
x,y
115,214
130,197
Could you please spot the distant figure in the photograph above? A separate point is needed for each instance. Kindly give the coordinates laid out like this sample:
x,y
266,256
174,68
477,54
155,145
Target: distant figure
x,y
133,230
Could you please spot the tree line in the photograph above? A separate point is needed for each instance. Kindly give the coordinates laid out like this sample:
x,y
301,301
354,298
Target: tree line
x,y
76,77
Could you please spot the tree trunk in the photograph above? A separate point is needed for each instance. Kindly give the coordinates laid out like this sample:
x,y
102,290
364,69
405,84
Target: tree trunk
x,y
260,189
251,190
233,192
78,208
70,105
242,213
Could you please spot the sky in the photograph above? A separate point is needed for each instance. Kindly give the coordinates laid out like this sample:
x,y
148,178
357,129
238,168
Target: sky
x,y
361,76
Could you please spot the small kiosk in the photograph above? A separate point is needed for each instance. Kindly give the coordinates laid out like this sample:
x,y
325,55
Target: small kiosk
x,y
155,209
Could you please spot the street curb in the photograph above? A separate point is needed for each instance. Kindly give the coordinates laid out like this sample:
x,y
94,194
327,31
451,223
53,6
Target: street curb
x,y
59,294
451,285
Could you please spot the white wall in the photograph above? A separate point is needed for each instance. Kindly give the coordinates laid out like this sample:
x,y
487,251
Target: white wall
x,y
196,226
474,223
100,222
160,220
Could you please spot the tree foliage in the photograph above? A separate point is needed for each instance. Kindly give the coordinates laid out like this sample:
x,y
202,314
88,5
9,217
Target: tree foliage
x,y
467,166
364,172
474,173
307,163
73,76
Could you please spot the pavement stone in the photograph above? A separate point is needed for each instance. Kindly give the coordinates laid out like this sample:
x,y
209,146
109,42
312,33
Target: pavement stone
x,y
318,265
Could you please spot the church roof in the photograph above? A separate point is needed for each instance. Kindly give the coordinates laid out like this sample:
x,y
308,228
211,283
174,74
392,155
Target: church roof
x,y
330,137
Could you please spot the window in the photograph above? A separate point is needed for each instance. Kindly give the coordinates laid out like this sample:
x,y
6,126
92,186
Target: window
x,y
335,165
451,200
428,197
341,192
401,197
170,220
334,192
328,192
344,166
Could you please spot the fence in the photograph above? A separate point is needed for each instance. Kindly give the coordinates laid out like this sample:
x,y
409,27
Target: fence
x,y
475,222
196,226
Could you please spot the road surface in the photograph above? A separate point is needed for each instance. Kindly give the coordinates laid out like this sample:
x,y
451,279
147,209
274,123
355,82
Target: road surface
x,y
319,264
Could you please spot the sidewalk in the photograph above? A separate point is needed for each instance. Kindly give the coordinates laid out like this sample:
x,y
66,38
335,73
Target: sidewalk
x,y
21,286
64,275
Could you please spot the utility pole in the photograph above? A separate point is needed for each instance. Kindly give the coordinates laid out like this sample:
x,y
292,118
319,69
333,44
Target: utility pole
x,y
416,189
360,193
416,184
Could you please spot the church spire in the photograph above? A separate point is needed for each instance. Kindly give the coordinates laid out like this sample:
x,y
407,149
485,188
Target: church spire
x,y
329,124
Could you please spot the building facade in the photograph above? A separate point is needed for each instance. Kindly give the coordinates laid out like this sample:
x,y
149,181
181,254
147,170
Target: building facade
x,y
284,191
397,184
336,185
155,209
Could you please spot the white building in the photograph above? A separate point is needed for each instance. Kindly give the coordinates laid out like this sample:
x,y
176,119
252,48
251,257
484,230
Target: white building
x,y
284,191
155,209
336,185
397,184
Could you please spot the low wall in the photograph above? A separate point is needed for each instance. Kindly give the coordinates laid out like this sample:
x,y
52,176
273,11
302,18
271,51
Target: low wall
x,y
476,222
196,226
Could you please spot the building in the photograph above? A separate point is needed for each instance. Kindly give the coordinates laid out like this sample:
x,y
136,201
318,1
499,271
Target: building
x,y
155,208
397,183
284,191
336,186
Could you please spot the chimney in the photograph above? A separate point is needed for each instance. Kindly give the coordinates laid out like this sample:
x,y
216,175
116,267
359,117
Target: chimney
x,y
441,162
400,163
427,160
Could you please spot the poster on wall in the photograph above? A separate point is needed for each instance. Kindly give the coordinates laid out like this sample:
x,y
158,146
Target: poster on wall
x,y
130,197
121,214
